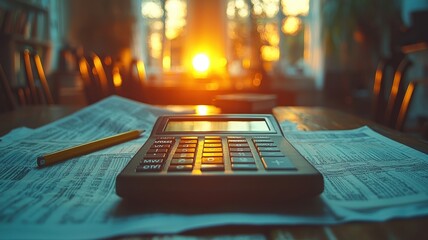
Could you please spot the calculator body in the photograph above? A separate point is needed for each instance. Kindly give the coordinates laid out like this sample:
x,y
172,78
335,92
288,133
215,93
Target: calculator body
x,y
240,158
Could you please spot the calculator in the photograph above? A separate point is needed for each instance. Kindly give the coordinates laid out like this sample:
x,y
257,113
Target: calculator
x,y
218,158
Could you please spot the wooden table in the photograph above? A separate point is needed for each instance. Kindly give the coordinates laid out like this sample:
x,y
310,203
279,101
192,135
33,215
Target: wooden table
x,y
306,118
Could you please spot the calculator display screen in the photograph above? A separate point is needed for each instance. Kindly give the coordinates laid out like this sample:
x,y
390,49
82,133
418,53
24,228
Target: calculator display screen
x,y
217,126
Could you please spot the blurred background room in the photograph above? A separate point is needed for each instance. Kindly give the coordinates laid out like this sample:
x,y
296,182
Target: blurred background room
x,y
365,57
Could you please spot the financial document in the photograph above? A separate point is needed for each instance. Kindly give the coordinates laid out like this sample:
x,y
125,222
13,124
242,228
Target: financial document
x,y
367,177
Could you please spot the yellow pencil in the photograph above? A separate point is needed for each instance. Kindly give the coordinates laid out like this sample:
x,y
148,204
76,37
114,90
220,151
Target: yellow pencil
x,y
85,148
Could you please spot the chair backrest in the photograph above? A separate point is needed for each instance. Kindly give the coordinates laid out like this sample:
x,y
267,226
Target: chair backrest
x,y
407,100
33,90
388,89
37,90
97,78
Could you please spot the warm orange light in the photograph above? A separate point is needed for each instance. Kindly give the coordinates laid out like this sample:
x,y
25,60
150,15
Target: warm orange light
x,y
291,25
201,63
201,110
166,62
117,79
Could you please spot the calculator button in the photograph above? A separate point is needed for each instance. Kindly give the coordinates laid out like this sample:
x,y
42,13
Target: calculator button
x,y
151,161
212,167
277,163
187,145
212,137
149,168
184,155
213,150
212,160
235,137
182,161
188,141
155,155
185,150
161,146
271,154
241,154
268,149
180,168
244,167
189,138
163,141
157,150
262,140
215,154
212,145
265,145
240,150
242,160
212,140
261,137
237,140
238,145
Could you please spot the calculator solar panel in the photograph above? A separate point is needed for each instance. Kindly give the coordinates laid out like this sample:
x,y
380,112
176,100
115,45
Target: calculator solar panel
x,y
227,158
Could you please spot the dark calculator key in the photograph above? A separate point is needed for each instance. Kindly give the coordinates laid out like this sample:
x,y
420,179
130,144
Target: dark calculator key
x,y
165,138
238,145
240,149
241,154
184,155
149,168
268,149
242,160
163,142
157,150
277,163
155,155
244,167
265,144
271,154
182,161
151,161
180,168
161,146
263,140
212,167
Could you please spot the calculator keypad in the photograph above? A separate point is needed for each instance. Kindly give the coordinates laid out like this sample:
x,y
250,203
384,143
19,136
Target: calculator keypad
x,y
184,156
243,154
156,156
212,154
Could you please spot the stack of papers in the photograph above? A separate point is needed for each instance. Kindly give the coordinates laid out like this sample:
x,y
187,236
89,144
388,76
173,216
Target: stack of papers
x,y
367,177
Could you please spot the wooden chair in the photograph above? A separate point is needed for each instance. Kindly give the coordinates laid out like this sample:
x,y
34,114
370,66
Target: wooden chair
x,y
95,81
135,80
37,90
388,89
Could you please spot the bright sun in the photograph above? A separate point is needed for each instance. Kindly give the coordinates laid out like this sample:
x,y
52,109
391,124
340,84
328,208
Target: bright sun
x,y
201,62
